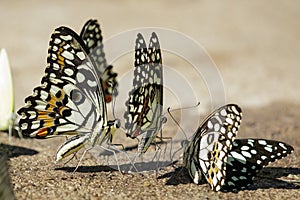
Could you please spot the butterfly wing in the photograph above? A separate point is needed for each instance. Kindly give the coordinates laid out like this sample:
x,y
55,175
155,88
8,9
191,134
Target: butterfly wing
x,y
247,157
144,107
146,94
91,35
206,155
70,99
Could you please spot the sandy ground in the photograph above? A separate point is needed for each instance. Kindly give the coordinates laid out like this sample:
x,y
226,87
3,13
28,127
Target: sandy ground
x,y
254,45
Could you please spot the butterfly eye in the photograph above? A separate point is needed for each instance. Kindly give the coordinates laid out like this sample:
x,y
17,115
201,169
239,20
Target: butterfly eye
x,y
110,84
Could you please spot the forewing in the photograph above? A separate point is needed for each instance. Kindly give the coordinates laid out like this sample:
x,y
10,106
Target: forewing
x,y
247,157
70,97
141,63
57,108
154,54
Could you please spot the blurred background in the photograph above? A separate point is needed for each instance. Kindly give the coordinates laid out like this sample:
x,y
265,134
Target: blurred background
x,y
255,45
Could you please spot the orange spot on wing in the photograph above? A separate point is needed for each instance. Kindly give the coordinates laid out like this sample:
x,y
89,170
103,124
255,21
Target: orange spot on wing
x,y
42,133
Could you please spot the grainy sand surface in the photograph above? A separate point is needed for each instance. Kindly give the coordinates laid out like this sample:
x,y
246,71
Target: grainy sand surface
x,y
254,44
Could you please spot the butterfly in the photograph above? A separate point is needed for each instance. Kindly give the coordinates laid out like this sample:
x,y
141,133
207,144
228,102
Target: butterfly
x,y
206,154
247,157
91,35
226,163
145,103
70,100
7,115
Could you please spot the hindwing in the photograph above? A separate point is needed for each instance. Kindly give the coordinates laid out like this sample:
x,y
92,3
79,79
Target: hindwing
x,y
247,157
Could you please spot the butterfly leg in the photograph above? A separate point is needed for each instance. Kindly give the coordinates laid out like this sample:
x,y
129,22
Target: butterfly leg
x,y
81,158
74,155
121,145
112,151
13,128
122,151
166,143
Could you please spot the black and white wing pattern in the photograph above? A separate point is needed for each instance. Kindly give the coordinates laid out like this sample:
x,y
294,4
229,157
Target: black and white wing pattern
x,y
206,155
70,99
145,103
91,36
247,157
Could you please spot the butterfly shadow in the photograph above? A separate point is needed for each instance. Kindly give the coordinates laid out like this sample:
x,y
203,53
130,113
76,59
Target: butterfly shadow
x,y
139,167
12,151
179,176
137,164
87,169
268,178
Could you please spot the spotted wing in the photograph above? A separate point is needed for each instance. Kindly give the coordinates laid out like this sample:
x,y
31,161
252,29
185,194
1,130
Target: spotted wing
x,y
144,106
247,157
91,35
206,155
70,99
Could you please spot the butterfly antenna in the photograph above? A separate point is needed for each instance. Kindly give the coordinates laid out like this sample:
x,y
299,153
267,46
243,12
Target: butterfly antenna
x,y
176,122
184,108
